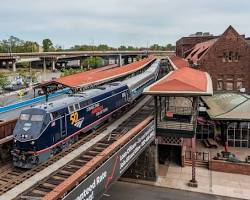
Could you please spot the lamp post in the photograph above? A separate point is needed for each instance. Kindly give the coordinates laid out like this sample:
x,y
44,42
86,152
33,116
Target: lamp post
x,y
193,182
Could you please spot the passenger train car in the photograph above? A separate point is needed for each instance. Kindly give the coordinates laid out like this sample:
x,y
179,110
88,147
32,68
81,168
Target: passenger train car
x,y
44,130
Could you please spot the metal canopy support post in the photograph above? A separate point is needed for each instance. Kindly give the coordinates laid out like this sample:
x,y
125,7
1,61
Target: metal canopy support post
x,y
46,94
34,89
160,108
193,182
156,111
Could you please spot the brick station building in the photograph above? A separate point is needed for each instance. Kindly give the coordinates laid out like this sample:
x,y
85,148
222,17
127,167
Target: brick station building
x,y
226,58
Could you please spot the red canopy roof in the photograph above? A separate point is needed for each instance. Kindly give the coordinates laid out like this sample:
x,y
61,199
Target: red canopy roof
x,y
178,62
101,74
185,81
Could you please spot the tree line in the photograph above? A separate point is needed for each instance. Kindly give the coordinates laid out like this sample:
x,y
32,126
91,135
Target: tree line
x,y
15,45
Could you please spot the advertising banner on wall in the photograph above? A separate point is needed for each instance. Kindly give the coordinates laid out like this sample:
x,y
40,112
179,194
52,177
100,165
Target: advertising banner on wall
x,y
97,183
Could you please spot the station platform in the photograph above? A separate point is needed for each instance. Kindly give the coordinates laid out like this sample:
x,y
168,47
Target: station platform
x,y
215,183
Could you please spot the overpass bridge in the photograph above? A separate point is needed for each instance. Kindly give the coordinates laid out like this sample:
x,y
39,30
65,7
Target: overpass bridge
x,y
120,57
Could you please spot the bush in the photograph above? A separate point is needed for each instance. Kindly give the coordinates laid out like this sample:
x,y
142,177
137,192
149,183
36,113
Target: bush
x,y
93,62
71,71
3,81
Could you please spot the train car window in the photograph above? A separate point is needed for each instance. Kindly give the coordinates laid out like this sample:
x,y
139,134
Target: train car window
x,y
24,117
71,109
77,106
56,115
36,118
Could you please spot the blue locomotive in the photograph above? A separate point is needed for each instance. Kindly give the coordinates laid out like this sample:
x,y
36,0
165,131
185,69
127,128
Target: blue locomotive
x,y
44,130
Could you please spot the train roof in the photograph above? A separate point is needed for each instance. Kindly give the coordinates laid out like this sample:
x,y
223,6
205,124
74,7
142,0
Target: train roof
x,y
78,97
150,71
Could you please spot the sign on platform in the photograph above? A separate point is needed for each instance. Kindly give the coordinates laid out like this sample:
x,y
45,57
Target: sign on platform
x,y
98,182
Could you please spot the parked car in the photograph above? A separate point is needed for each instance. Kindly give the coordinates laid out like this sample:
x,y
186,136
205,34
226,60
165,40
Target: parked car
x,y
14,87
227,156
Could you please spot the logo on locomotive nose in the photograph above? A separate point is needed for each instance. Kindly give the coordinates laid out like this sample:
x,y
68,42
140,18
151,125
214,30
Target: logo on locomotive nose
x,y
74,117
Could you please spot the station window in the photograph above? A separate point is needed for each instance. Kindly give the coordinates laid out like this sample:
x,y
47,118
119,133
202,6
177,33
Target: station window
x,y
224,57
229,86
238,134
219,85
239,85
71,109
230,56
236,57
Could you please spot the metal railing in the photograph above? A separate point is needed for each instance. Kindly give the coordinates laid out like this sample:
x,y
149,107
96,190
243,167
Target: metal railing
x,y
175,125
199,156
180,110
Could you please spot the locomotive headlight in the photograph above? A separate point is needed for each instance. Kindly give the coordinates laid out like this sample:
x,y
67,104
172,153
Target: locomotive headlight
x,y
32,142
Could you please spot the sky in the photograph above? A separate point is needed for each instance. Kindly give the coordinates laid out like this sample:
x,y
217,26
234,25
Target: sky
x,y
119,22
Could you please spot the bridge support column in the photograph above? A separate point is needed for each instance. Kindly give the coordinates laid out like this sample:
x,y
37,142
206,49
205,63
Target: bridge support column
x,y
120,60
145,166
53,65
14,66
44,65
80,62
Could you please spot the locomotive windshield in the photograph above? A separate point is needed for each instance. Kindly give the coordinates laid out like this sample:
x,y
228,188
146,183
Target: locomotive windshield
x,y
30,124
36,118
33,118
24,117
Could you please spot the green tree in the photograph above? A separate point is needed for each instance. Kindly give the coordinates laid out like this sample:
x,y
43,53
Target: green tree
x,y
93,62
122,48
155,47
47,45
103,47
131,48
170,47
16,45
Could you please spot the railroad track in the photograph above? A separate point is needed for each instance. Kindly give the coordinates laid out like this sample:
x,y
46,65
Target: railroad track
x,y
11,176
40,189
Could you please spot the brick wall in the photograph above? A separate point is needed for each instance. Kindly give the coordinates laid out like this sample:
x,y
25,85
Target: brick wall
x,y
234,71
228,167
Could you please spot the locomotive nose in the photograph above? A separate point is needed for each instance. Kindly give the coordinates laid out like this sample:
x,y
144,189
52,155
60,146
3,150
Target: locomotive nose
x,y
29,125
